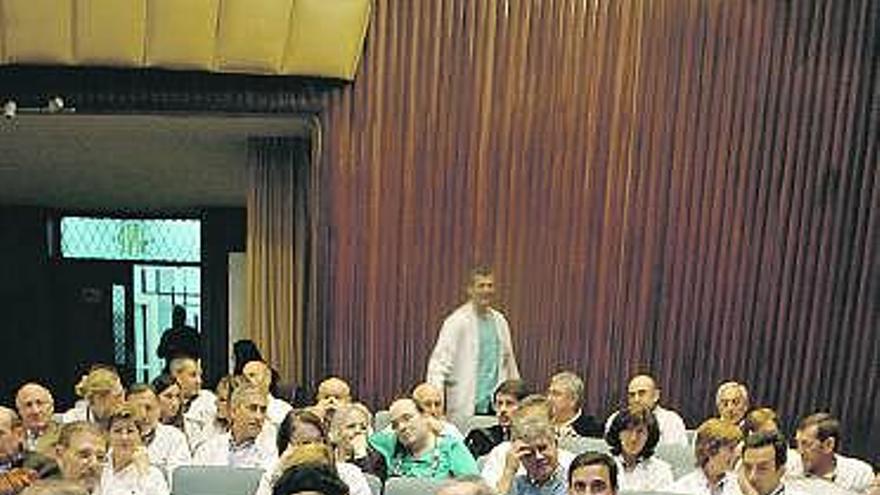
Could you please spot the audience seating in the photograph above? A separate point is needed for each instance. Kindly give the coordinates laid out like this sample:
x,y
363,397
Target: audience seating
x,y
381,419
583,444
680,457
375,483
215,480
412,486
477,422
691,436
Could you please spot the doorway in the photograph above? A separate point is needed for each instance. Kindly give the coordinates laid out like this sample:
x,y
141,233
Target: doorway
x,y
120,279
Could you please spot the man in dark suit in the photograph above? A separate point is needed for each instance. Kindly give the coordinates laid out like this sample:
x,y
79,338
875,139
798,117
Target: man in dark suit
x,y
505,401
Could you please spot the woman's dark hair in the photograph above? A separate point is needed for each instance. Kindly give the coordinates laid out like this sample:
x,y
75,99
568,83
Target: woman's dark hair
x,y
310,477
285,429
243,352
626,419
163,381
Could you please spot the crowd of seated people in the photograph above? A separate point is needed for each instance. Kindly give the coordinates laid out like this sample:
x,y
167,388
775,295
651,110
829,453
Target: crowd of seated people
x,y
130,441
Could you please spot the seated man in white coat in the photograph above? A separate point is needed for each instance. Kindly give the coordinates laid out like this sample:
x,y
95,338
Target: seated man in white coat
x,y
818,441
716,453
473,353
642,393
238,447
166,445
260,376
763,466
198,406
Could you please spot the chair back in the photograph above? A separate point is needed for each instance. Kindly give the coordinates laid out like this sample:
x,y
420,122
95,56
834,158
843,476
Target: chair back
x,y
381,419
412,486
680,457
577,445
374,483
215,480
478,422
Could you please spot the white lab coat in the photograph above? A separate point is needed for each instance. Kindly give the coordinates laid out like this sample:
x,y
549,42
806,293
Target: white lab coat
x,y
453,363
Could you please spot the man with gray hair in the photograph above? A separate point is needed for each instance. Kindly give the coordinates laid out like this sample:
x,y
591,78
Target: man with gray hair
x,y
238,448
566,397
534,447
36,406
818,441
732,401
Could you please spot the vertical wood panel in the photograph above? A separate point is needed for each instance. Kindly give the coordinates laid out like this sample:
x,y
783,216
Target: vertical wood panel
x,y
685,187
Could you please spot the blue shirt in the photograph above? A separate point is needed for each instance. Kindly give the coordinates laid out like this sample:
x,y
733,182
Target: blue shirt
x,y
487,363
556,485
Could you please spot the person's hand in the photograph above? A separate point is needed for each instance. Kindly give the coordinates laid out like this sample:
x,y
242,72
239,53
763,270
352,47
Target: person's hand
x,y
16,480
141,460
874,489
513,459
744,485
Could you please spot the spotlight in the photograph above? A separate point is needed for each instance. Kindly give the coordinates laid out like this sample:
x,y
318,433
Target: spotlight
x,y
56,104
9,109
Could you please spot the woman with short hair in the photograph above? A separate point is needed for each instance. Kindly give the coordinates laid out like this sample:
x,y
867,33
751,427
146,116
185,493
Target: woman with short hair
x,y
716,452
632,437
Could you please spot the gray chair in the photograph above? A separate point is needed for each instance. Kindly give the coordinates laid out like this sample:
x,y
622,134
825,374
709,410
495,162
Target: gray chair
x,y
578,445
680,457
477,422
215,480
375,483
412,486
381,419
691,436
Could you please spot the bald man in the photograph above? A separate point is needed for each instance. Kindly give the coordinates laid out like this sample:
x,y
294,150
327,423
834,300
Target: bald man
x,y
430,399
259,375
333,393
36,406
643,393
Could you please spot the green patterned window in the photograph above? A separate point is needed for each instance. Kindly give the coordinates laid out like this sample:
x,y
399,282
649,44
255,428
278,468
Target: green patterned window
x,y
131,239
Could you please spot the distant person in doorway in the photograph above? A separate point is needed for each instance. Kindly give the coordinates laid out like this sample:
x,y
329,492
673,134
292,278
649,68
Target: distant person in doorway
x,y
179,341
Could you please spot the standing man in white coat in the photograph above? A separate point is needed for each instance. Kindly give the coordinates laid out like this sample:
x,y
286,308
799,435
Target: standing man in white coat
x,y
473,353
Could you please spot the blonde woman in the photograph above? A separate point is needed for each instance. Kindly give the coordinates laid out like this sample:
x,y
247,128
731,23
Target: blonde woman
x,y
128,470
101,391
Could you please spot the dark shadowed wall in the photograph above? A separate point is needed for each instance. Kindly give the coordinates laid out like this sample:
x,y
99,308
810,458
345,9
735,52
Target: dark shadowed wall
x,y
685,187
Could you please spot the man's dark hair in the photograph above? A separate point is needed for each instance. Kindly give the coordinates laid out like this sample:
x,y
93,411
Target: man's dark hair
x,y
827,426
140,388
516,388
320,478
163,381
595,459
630,418
763,439
481,270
